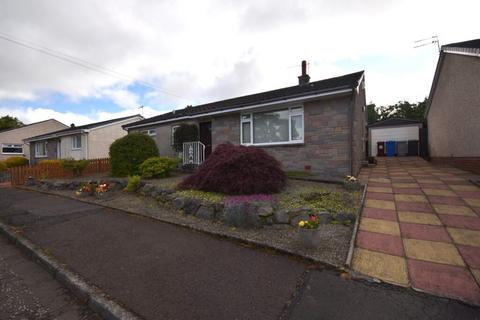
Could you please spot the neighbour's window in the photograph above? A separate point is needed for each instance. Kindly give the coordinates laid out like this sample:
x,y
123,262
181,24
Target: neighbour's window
x,y
40,149
172,139
272,127
77,142
150,132
12,148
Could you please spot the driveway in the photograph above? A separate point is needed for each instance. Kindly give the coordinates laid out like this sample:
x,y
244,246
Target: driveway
x,y
162,271
420,227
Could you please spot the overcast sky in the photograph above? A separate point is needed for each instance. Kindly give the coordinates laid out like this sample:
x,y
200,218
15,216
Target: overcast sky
x,y
200,51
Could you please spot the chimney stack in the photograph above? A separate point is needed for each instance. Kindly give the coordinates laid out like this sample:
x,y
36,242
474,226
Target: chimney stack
x,y
72,125
304,78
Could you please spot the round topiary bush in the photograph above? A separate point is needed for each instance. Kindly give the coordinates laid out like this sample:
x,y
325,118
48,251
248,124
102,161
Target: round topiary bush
x,y
127,153
238,170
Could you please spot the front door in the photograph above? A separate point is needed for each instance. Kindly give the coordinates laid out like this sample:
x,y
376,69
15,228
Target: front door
x,y
206,137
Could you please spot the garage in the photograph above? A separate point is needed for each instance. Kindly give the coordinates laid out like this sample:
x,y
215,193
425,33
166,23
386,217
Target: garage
x,y
395,137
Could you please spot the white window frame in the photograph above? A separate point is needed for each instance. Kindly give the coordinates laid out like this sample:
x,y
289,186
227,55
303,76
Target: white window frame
x,y
293,111
76,138
12,145
37,149
150,132
172,132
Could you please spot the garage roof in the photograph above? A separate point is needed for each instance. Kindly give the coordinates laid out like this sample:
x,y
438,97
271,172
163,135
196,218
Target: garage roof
x,y
394,122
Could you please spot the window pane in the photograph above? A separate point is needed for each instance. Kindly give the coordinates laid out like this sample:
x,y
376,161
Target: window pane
x,y
246,138
270,126
246,117
12,148
297,130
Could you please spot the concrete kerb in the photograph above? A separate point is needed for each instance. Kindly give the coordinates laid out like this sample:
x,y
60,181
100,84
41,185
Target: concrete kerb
x,y
90,294
348,262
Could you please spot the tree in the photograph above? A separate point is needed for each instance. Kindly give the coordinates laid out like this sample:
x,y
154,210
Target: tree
x,y
372,113
401,109
8,122
184,133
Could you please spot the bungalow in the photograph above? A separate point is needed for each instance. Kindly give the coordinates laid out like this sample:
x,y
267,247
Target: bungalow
x,y
90,141
11,140
317,127
453,110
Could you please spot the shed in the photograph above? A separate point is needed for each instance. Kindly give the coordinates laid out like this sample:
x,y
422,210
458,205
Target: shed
x,y
404,132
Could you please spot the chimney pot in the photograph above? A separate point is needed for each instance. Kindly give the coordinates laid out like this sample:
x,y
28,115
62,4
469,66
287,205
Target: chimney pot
x,y
304,78
72,125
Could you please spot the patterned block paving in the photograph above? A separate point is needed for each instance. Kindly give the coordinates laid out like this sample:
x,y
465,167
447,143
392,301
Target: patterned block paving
x,y
432,251
444,280
392,269
474,202
419,217
455,201
460,222
379,189
380,242
380,204
471,255
465,237
439,192
424,232
421,226
464,187
379,214
454,210
380,196
380,226
410,197
414,206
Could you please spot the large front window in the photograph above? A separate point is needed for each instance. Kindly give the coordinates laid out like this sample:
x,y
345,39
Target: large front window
x,y
12,148
272,127
40,149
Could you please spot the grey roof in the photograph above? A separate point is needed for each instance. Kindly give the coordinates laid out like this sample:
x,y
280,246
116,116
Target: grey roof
x,y
31,124
472,44
394,122
348,81
76,129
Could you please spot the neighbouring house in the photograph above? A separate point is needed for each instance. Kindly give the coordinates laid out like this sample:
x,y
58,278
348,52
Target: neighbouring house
x,y
90,141
11,140
395,137
453,110
318,127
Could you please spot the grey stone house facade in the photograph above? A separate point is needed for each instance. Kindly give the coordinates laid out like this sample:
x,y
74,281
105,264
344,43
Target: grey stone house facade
x,y
453,112
317,127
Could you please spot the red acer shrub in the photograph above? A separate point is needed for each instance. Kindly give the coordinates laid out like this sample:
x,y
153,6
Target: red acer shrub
x,y
238,170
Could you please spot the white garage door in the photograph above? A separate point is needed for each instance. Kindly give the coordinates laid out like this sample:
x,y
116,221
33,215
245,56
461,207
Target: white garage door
x,y
403,133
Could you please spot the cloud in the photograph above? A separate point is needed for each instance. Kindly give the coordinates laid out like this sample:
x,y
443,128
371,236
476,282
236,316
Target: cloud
x,y
199,51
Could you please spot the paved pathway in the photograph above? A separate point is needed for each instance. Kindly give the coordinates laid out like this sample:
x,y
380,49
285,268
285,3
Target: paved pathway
x,y
420,227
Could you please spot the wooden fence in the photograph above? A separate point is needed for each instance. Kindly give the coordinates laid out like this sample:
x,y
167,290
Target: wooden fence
x,y
18,175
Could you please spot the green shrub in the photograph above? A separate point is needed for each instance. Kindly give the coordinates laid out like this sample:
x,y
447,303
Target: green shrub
x,y
157,167
75,166
127,153
51,162
184,133
16,162
133,183
3,166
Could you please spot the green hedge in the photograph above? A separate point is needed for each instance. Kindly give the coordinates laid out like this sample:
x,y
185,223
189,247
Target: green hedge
x,y
16,162
127,153
3,166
